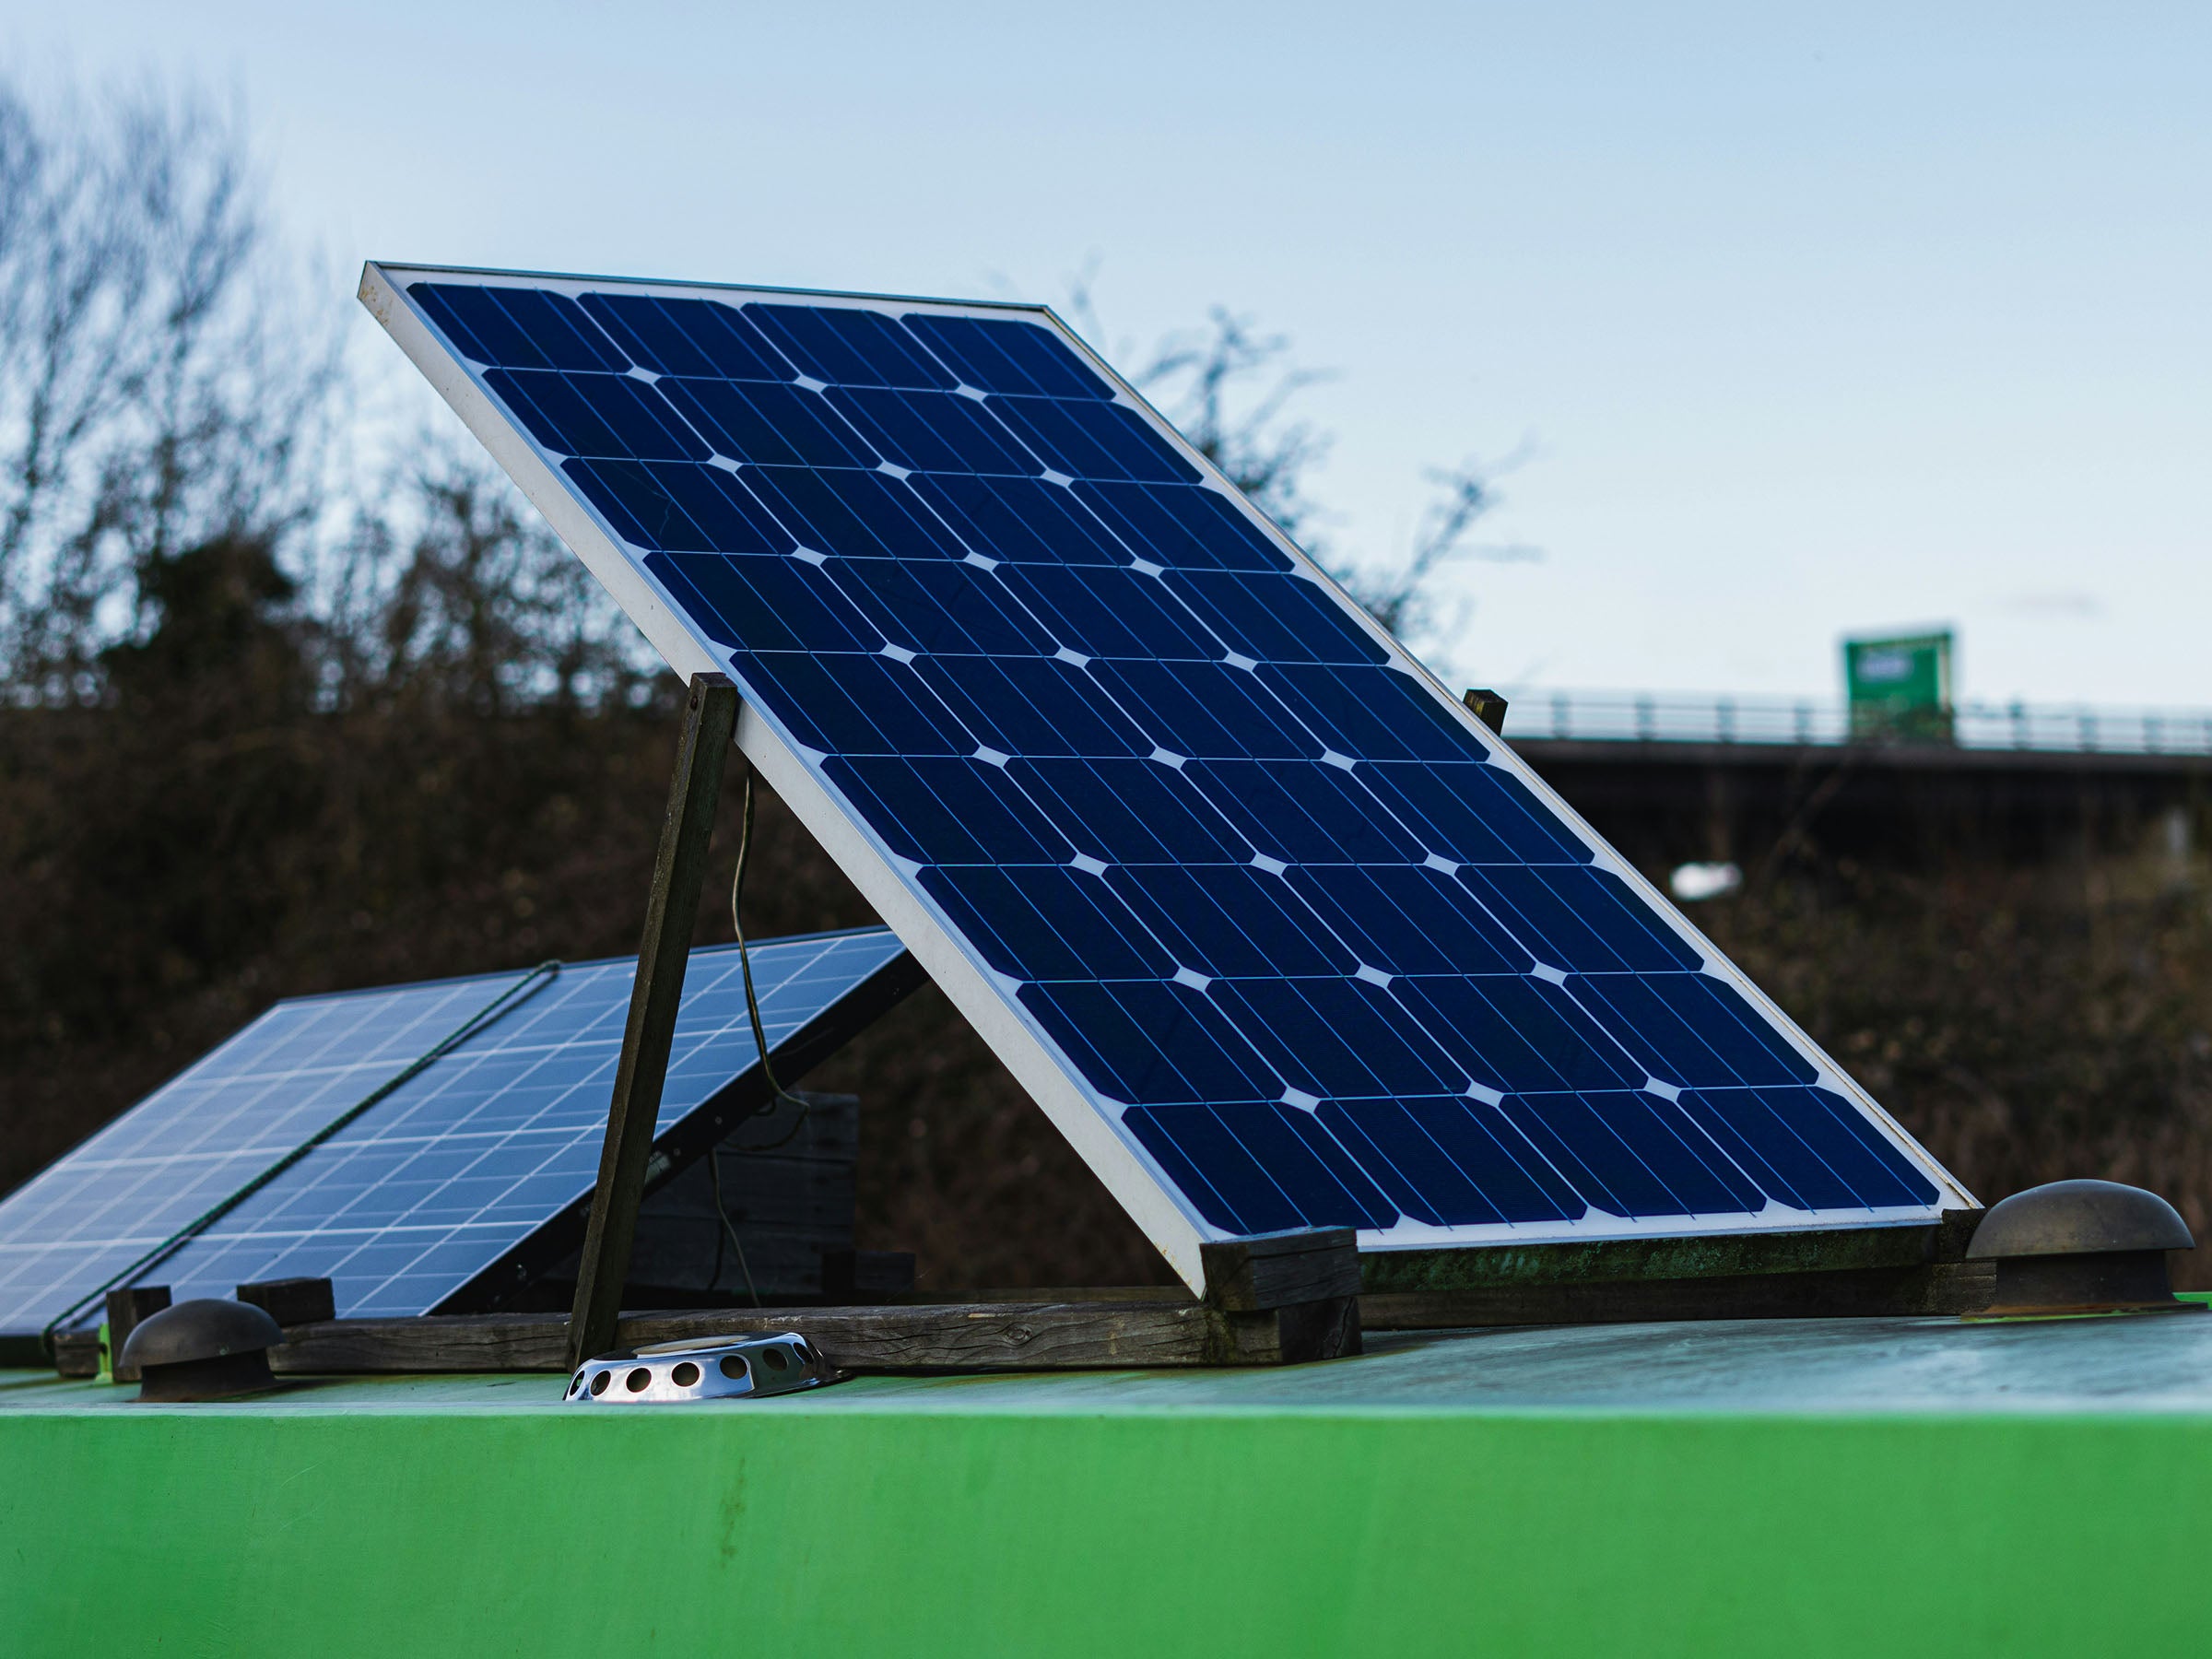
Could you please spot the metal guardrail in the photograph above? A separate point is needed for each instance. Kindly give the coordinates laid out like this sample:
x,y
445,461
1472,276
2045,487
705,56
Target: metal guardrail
x,y
1628,717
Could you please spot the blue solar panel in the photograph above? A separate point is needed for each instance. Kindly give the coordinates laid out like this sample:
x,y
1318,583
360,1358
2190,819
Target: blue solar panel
x,y
459,1184
200,1136
1143,787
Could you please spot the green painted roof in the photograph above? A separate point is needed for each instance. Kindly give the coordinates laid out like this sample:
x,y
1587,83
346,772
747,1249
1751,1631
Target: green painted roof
x,y
1810,1487
2155,1363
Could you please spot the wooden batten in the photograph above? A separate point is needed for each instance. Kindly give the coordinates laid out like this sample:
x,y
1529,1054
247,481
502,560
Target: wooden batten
x,y
1859,1272
1281,1299
1712,1256
1939,1287
958,1338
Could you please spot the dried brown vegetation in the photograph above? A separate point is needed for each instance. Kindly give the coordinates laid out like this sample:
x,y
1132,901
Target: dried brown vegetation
x,y
2027,1025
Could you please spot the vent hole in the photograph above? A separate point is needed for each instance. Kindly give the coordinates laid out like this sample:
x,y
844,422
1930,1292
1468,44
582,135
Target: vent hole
x,y
600,1381
776,1359
684,1375
734,1367
639,1381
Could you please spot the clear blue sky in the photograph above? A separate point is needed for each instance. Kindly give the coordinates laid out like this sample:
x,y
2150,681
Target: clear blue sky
x,y
1889,316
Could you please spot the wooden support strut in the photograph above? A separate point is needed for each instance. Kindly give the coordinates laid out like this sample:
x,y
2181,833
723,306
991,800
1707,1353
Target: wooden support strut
x,y
679,872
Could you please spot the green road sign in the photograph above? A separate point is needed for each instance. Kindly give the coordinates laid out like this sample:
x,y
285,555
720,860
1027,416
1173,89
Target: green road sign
x,y
1900,687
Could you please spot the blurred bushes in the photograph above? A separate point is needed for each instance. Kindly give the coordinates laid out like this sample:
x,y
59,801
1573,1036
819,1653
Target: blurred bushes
x,y
2026,1025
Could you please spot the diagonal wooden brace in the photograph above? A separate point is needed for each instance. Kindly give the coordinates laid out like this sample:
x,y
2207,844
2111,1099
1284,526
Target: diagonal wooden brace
x,y
710,719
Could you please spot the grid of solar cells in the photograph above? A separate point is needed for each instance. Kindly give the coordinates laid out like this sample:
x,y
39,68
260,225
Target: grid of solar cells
x,y
1318,956
208,1130
443,1177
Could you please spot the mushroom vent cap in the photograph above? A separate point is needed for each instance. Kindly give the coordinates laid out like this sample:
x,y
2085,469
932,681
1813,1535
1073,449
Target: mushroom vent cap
x,y
2073,1248
2079,1217
206,1349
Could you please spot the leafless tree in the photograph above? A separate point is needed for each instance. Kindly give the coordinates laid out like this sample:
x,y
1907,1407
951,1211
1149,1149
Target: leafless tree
x,y
1228,389
452,587
1404,595
1231,390
156,391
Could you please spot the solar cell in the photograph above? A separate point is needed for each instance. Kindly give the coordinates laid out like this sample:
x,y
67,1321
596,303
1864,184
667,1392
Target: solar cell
x,y
466,1179
1277,932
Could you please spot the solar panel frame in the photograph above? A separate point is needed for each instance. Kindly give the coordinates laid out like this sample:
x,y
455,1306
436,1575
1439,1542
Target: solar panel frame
x,y
1144,1186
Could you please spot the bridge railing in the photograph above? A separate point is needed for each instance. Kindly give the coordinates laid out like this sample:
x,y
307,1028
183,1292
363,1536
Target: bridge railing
x,y
1679,717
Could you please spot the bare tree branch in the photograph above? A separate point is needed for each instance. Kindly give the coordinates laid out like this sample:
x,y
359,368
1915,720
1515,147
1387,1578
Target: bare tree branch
x,y
156,392
1226,389
453,589
1230,389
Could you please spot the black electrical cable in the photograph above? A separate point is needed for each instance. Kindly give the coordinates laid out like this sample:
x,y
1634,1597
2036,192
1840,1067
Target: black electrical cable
x,y
714,1184
752,1005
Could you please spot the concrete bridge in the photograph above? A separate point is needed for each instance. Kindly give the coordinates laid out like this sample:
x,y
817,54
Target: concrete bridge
x,y
1671,778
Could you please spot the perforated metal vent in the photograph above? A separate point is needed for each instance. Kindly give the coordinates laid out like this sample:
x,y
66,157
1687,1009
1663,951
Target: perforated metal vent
x,y
712,1368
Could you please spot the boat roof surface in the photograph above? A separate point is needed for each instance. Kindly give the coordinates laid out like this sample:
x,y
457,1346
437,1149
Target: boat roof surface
x,y
2150,1364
